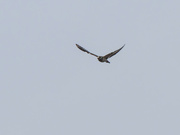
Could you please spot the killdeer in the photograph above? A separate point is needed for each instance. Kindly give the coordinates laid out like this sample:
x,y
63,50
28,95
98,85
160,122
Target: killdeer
x,y
101,58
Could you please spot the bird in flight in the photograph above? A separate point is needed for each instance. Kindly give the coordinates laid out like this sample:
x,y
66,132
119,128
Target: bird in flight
x,y
101,58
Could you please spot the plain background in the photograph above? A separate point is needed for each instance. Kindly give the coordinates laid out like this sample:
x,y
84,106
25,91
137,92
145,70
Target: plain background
x,y
50,87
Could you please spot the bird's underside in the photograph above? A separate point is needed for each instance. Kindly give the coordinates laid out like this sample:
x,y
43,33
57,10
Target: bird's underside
x,y
101,58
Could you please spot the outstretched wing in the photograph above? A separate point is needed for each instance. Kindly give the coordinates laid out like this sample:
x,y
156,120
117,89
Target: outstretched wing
x,y
113,53
84,50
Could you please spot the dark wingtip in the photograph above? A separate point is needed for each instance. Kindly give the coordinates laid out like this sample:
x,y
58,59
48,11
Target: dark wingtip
x,y
78,46
122,46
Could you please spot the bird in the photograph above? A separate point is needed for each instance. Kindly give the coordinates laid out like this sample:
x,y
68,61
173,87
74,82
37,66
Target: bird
x,y
101,58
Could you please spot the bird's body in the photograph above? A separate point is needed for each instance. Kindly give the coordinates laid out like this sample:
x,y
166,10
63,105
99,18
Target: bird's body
x,y
101,58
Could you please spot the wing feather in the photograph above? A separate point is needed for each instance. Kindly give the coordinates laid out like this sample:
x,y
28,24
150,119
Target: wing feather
x,y
84,50
113,53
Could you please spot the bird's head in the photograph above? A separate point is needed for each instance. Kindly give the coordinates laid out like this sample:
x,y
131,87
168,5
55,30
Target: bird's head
x,y
100,57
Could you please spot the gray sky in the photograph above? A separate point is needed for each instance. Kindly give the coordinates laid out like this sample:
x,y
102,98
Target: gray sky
x,y
49,87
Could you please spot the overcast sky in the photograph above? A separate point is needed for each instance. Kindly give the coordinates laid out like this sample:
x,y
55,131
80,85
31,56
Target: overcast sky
x,y
49,87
